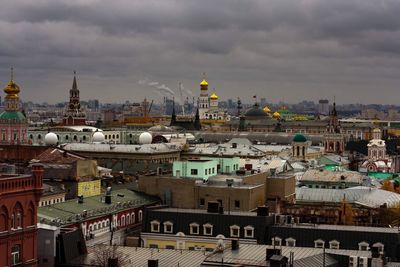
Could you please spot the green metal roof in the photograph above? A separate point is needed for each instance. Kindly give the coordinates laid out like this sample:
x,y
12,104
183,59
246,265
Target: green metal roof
x,y
67,211
12,115
299,138
381,175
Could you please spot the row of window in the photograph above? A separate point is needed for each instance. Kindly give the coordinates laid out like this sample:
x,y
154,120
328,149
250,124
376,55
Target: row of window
x,y
208,229
51,201
319,243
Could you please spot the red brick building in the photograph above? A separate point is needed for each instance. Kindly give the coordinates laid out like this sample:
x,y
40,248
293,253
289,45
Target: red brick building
x,y
19,197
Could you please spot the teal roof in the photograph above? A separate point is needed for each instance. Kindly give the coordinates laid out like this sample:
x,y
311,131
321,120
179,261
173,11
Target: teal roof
x,y
12,115
299,138
381,175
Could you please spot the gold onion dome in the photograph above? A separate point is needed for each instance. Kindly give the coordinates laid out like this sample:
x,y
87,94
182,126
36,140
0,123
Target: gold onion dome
x,y
266,109
214,96
276,115
12,89
204,83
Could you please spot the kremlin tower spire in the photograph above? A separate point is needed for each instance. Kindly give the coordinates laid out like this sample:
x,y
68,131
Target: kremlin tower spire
x,y
74,114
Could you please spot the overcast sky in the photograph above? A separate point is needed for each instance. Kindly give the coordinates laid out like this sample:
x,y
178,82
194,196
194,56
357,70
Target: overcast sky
x,y
288,50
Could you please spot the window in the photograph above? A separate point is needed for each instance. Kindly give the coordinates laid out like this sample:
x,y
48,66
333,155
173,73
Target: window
x,y
168,227
290,242
194,228
155,226
169,247
363,246
15,255
249,231
235,231
334,244
207,229
193,171
237,204
206,171
140,215
153,246
319,243
277,241
380,246
202,201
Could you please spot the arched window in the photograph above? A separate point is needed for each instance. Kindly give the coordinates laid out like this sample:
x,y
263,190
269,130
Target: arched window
x,y
123,220
3,219
128,219
17,214
140,215
30,215
132,217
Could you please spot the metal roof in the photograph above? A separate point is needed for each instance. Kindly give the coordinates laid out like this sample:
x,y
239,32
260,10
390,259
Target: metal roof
x,y
364,196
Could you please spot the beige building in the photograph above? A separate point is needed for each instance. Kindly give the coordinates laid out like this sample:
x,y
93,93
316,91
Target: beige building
x,y
234,192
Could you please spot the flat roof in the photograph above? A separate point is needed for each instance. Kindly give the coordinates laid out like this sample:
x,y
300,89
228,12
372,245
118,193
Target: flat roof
x,y
200,211
67,211
138,257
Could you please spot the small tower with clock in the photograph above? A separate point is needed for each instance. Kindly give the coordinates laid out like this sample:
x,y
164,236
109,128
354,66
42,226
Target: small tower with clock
x,y
74,114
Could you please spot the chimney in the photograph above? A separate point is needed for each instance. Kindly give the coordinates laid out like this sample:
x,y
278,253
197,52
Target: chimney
x,y
108,196
152,263
80,199
234,244
37,175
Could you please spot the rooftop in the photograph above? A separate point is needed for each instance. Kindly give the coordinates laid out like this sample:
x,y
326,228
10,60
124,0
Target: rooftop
x,y
71,211
121,148
364,196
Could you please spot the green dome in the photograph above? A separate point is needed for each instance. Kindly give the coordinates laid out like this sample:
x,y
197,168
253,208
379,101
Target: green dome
x,y
255,112
299,138
12,115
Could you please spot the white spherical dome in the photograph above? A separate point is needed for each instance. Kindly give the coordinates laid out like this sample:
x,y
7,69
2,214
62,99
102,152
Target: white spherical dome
x,y
51,139
98,137
145,138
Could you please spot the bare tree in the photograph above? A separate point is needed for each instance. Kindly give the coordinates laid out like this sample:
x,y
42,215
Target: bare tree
x,y
105,256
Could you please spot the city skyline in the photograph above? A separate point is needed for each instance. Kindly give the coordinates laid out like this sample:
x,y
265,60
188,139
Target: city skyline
x,y
282,50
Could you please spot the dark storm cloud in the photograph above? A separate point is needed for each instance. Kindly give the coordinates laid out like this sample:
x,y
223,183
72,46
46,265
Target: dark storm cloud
x,y
280,49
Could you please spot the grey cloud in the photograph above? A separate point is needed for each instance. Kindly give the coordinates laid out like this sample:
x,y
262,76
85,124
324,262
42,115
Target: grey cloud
x,y
301,49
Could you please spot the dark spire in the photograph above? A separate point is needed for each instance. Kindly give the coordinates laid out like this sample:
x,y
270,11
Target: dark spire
x,y
197,123
74,86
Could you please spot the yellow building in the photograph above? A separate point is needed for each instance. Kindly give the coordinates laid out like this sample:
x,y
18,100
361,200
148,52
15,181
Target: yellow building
x,y
89,188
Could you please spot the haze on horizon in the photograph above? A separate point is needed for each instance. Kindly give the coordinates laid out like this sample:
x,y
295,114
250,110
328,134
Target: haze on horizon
x,y
287,50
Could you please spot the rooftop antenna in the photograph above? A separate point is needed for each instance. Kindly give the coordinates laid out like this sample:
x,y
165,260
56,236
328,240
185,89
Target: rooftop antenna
x,y
12,73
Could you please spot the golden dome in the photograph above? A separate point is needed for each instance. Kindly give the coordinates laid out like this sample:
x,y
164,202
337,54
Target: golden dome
x,y
276,115
204,83
214,96
12,89
266,109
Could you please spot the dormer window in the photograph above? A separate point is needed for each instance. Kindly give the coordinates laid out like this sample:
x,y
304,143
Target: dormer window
x,y
276,241
334,244
380,246
155,226
194,228
249,231
207,229
319,243
235,230
168,227
290,242
363,246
